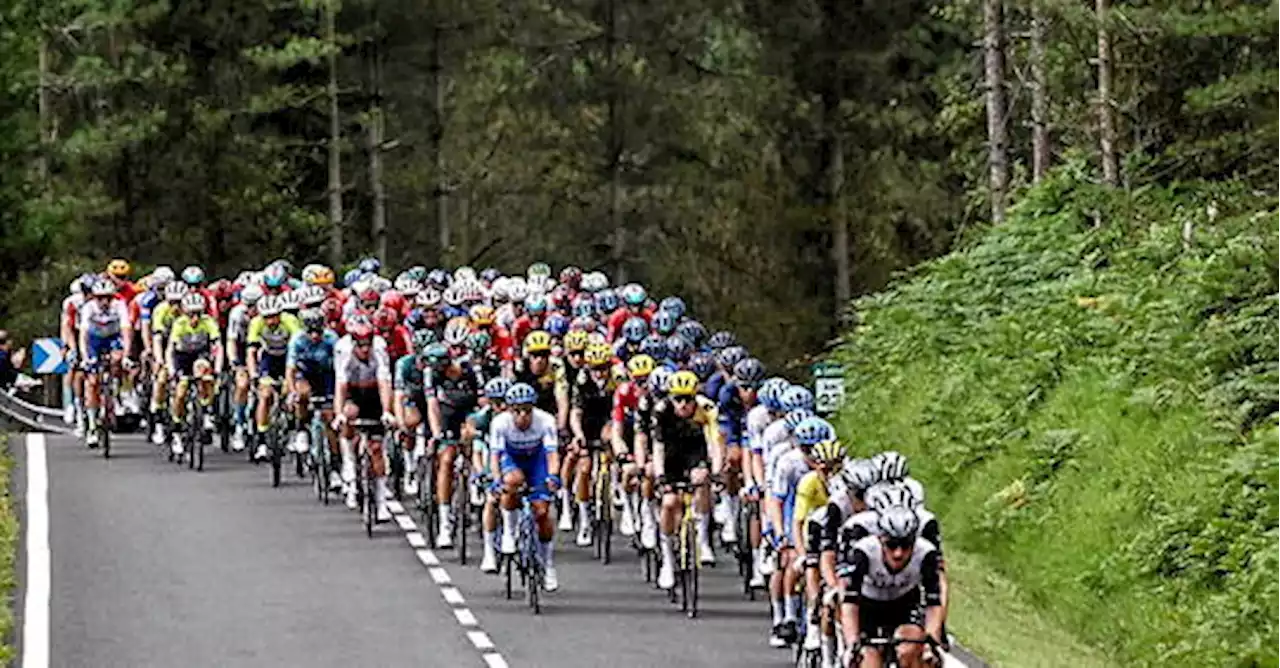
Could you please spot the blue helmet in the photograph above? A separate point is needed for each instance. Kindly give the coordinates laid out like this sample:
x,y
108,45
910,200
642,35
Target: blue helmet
x,y
635,329
654,346
665,322
730,356
674,305
535,304
370,265
702,364
797,396
814,430
606,301
489,274
770,394
678,347
496,389
721,340
795,417
583,306
692,330
521,394
556,325
748,372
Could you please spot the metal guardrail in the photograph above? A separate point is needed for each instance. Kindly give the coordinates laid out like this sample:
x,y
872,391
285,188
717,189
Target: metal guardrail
x,y
32,416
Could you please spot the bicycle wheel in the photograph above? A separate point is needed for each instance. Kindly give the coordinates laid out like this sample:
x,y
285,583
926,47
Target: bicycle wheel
x,y
508,562
366,483
427,496
693,587
274,448
108,418
461,499
534,586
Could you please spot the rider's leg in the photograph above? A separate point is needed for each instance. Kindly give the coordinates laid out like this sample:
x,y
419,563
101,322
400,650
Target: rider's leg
x,y
672,509
444,494
512,479
582,484
732,485
568,471
702,512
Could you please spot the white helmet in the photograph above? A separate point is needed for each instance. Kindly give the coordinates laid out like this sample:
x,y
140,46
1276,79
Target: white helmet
x,y
251,294
517,290
163,275
193,302
269,306
427,298
312,295
103,288
464,273
76,287
175,291
498,291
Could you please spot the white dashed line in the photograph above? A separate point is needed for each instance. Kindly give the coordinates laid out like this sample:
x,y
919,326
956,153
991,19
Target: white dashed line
x,y
465,617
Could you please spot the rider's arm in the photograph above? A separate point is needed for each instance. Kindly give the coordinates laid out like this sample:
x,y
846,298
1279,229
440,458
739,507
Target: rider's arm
x,y
931,583
290,360
435,421
382,366
850,614
169,353
562,398
550,447
126,327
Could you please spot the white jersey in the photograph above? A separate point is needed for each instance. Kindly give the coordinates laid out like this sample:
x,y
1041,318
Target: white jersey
x,y
541,436
758,419
347,368
238,323
104,323
787,474
505,317
882,584
775,442
71,310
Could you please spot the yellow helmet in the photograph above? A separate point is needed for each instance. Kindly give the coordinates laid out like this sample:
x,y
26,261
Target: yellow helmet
x,y
119,268
682,384
482,314
598,354
829,452
537,341
575,340
640,366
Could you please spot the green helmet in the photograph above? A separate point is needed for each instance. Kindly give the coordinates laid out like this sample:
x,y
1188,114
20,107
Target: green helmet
x,y
479,341
423,338
539,270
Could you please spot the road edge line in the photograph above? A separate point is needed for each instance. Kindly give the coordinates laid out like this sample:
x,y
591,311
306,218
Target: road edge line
x,y
38,585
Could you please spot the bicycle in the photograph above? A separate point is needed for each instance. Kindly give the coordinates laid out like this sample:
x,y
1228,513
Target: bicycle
x,y
461,505
747,511
888,649
687,558
364,471
426,500
321,455
812,657
194,427
602,515
108,391
223,410
527,560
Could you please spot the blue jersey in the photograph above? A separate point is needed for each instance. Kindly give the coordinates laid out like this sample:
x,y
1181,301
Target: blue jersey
x,y
733,414
711,388
312,356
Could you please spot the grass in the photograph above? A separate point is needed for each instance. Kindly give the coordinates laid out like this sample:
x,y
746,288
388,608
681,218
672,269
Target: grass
x,y
8,554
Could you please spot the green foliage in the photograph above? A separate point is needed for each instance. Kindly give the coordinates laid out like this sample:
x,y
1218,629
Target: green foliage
x,y
1093,408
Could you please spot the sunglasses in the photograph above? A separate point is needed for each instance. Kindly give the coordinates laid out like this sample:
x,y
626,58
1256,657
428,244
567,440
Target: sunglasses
x,y
899,543
543,354
522,410
364,344
577,353
682,400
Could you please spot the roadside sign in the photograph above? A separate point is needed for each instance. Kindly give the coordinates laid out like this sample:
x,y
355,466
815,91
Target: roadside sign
x,y
46,356
828,387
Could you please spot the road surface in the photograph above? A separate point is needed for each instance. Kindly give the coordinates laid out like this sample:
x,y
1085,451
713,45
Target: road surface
x,y
149,564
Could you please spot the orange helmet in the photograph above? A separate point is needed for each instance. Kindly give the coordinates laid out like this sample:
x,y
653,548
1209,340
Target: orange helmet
x,y
119,268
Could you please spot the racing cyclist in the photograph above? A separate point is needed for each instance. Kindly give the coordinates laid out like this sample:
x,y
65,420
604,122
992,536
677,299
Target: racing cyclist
x,y
269,334
362,387
193,339
308,373
104,331
523,448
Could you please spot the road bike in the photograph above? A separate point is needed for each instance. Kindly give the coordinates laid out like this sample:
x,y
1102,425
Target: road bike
x,y
321,454
367,431
527,561
108,395
602,503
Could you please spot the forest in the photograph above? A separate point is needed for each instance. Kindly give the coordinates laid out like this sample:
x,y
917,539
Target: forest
x,y
768,161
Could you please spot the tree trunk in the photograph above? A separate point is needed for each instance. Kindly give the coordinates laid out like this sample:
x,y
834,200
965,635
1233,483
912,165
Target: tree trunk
x,y
833,159
441,185
1106,118
615,149
42,159
378,226
997,137
1040,156
335,138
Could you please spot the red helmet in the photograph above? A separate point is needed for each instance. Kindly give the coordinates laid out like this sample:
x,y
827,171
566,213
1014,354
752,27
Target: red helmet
x,y
368,295
393,300
360,330
385,318
222,289
571,276
332,309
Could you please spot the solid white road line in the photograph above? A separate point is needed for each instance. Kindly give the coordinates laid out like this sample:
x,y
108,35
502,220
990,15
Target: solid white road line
x,y
35,609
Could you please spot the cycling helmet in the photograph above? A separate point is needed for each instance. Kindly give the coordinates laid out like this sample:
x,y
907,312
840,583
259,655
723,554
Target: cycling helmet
x,y
103,288
748,372
318,275
290,301
428,298
193,275
829,452
884,495
640,366
517,290
479,342
482,315
274,276
633,294
859,475
453,296
489,275
439,279
162,275
423,338
557,325
311,295
814,430
464,274
417,272
658,380
571,276
119,268
721,340
521,394
678,348
270,306
692,330
915,489
702,364
583,306
535,304
635,329
665,322
682,384
360,330
193,303
795,397
312,319
893,466
537,341
598,355
654,346
435,354
575,340
370,265
285,265
385,319
538,270
898,523
391,299
456,331
795,417
606,301
174,292
770,393
728,357
496,389
673,305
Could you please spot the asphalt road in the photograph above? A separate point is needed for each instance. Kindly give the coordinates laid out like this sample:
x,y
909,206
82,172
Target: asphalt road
x,y
156,565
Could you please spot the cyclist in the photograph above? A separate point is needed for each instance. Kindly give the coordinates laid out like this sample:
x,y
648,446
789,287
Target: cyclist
x,y
309,373
566,373
475,435
891,590
410,400
767,410
362,387
104,331
162,319
624,417
734,400
451,386
634,306
193,340
238,321
535,369
812,495
268,339
686,449
523,448
69,330
590,424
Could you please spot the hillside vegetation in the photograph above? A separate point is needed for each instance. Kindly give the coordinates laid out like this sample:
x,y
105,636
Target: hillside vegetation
x,y
1089,393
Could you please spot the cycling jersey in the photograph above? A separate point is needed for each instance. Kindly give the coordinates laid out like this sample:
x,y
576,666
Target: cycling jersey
x,y
543,384
539,438
190,338
162,318
790,469
758,419
619,317
733,414
775,442
714,384
274,341
238,324
457,394
314,360
103,322
686,441
811,494
408,376
358,373
865,572
594,398
626,400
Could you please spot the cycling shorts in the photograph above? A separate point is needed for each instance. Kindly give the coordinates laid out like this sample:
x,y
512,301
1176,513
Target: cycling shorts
x,y
271,366
185,362
101,347
678,463
879,619
368,402
534,468
319,377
